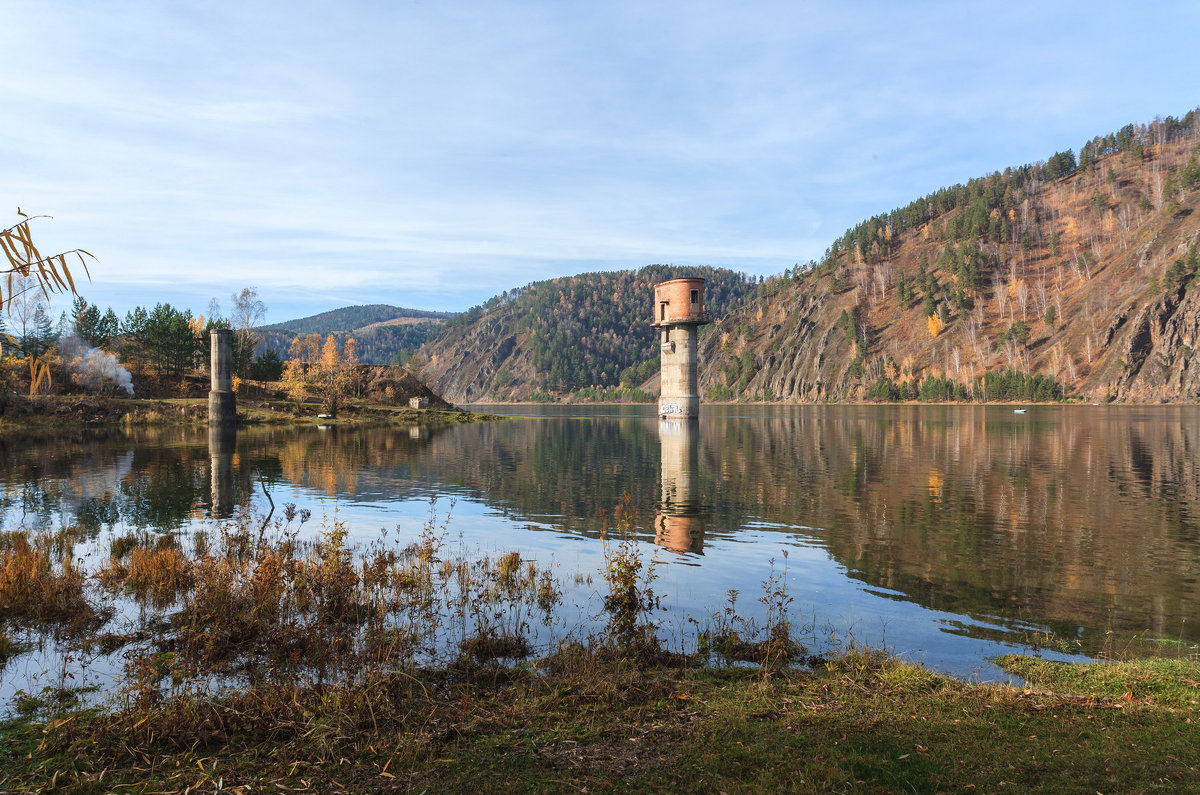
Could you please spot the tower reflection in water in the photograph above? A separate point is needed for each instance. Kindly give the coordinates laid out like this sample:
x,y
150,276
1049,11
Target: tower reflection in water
x,y
678,525
222,441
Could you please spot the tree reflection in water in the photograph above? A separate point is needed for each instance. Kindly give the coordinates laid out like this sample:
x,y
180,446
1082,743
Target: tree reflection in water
x,y
1080,519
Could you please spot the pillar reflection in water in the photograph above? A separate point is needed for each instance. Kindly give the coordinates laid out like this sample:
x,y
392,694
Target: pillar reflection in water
x,y
222,441
678,525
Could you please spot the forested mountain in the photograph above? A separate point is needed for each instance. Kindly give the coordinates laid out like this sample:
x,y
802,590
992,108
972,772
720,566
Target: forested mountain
x,y
349,318
385,334
1075,275
1070,276
562,335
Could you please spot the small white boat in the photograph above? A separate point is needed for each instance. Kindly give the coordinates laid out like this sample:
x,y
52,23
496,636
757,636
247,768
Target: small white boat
x,y
1018,411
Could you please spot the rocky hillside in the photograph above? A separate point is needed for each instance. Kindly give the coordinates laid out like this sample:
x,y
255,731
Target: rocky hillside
x,y
572,335
1076,274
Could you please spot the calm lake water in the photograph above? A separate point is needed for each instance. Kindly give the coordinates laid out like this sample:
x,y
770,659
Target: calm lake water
x,y
946,534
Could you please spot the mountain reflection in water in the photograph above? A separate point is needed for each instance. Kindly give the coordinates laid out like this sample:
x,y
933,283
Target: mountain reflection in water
x,y
942,531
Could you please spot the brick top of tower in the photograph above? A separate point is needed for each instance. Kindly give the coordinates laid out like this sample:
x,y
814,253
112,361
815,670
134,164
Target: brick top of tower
x,y
679,301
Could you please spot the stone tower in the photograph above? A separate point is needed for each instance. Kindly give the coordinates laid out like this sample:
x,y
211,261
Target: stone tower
x,y
678,315
222,405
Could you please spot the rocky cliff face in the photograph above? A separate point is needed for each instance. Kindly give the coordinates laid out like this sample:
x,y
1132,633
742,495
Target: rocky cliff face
x,y
1098,295
1157,349
485,361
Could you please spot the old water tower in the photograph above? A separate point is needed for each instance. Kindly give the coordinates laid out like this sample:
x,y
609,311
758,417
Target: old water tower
x,y
678,315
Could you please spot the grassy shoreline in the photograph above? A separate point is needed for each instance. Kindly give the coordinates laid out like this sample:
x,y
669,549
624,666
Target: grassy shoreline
x,y
263,660
580,721
68,412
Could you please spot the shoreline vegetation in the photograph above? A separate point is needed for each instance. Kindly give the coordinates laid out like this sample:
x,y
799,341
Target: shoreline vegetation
x,y
258,654
61,412
48,412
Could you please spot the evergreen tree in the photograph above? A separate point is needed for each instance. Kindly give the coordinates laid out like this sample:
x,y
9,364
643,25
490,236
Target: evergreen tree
x,y
41,335
903,291
171,341
96,329
134,324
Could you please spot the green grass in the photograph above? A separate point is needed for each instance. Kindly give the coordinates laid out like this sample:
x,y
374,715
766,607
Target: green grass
x,y
861,722
1163,681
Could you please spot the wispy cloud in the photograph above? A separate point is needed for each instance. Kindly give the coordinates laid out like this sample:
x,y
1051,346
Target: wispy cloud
x,y
435,153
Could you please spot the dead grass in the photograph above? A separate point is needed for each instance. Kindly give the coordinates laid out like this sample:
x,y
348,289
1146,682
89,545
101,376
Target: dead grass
x,y
41,588
266,661
573,720
255,604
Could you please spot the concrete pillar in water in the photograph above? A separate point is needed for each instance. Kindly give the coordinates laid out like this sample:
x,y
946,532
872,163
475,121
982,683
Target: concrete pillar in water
x,y
222,441
678,315
678,525
222,405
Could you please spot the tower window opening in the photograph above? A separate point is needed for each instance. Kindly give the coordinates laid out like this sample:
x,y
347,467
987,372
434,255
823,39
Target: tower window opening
x,y
695,296
662,312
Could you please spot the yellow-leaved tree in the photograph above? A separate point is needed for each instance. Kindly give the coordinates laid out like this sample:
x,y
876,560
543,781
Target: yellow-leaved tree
x,y
321,369
935,325
304,352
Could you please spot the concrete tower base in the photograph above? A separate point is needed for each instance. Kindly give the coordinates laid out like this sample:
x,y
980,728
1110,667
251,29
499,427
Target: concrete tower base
x,y
222,408
678,394
222,404
681,406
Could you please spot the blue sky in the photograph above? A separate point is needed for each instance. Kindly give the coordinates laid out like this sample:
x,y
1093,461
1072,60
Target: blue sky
x,y
432,154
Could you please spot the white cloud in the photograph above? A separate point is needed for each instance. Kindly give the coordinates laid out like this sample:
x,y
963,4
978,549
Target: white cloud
x,y
443,152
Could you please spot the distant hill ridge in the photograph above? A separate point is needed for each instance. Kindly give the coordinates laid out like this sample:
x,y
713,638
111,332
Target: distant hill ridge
x,y
351,318
1074,275
384,334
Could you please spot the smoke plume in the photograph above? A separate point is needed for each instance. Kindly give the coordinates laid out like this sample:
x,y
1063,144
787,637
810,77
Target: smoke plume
x,y
94,369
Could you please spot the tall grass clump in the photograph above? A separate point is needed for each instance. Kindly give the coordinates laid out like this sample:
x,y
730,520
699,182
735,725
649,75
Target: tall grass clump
x,y
40,584
510,594
254,605
732,637
629,600
151,569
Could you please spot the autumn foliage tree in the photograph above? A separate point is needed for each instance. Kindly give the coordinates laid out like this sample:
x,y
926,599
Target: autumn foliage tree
x,y
322,369
24,268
